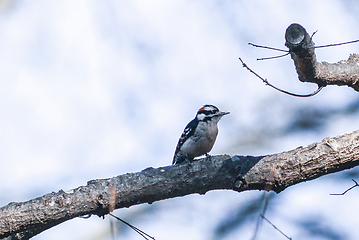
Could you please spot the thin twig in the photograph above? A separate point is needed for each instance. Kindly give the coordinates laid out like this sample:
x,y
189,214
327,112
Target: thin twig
x,y
311,37
337,44
271,48
266,200
275,227
268,58
139,231
356,184
322,46
281,90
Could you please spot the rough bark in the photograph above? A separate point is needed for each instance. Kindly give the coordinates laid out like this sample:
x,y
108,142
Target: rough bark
x,y
239,173
302,50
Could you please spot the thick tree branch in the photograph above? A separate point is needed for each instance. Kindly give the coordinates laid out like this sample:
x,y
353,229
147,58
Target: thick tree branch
x,y
239,173
301,48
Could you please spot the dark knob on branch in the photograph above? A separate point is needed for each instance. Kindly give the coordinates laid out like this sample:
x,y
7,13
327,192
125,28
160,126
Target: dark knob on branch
x,y
301,48
297,37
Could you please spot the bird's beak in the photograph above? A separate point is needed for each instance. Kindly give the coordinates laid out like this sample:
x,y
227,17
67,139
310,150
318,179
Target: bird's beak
x,y
223,113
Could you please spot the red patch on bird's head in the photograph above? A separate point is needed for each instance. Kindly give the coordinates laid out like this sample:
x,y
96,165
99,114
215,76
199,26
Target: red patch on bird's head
x,y
200,110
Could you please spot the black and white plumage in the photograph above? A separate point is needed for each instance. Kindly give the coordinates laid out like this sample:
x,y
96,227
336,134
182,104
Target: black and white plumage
x,y
199,135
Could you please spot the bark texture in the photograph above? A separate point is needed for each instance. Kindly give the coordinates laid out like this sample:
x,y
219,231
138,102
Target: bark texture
x,y
239,173
302,50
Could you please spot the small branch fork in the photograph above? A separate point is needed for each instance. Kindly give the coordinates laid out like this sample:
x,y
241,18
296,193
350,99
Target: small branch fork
x,y
281,90
271,48
356,185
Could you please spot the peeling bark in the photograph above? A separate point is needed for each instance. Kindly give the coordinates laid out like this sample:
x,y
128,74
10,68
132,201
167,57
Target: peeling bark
x,y
239,173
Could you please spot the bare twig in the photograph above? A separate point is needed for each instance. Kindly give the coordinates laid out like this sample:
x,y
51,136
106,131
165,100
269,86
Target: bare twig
x,y
139,231
266,200
281,90
275,227
337,44
287,52
271,48
321,46
268,58
356,185
311,37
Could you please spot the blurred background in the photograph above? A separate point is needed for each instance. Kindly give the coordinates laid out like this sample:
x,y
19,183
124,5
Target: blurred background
x,y
95,89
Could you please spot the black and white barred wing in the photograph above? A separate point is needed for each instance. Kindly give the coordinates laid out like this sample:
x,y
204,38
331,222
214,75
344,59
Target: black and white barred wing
x,y
188,132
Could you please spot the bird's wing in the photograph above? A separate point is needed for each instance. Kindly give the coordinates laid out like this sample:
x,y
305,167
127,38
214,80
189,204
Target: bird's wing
x,y
188,132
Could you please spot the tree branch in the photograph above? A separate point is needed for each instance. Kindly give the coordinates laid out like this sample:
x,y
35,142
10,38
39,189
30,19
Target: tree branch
x,y
301,48
239,173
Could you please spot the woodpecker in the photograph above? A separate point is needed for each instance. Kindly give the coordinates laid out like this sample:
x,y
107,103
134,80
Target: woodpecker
x,y
199,135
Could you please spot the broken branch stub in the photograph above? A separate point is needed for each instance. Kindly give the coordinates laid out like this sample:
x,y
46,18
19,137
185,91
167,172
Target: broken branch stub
x,y
301,48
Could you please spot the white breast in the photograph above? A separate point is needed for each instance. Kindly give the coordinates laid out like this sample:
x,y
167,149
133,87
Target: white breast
x,y
202,141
